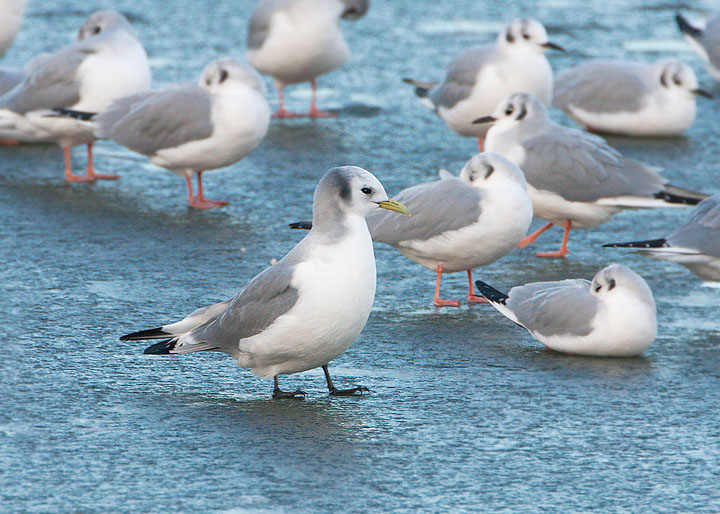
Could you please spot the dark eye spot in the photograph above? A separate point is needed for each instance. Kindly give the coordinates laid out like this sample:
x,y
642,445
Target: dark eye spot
x,y
509,37
677,80
526,36
611,284
223,76
96,30
208,81
598,288
663,80
489,171
366,190
510,109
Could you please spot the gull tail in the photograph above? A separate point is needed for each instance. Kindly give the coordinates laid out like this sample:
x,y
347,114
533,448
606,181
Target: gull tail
x,y
648,244
686,28
677,195
492,294
78,115
153,333
421,88
301,225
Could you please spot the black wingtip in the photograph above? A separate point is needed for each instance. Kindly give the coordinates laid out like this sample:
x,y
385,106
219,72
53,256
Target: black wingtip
x,y
301,225
691,198
78,115
161,348
153,333
650,243
491,293
686,28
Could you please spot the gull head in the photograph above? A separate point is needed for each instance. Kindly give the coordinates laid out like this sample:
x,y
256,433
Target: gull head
x,y
488,168
101,22
225,74
350,190
676,76
616,280
517,109
525,35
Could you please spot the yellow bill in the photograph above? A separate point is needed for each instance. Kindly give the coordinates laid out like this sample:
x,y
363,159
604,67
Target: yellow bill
x,y
392,205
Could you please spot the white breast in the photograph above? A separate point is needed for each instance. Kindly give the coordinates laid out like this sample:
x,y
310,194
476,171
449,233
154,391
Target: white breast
x,y
11,14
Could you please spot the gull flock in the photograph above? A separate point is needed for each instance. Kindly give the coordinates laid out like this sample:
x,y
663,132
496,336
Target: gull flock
x,y
311,306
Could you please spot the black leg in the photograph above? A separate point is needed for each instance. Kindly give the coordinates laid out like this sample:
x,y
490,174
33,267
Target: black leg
x,y
277,393
342,392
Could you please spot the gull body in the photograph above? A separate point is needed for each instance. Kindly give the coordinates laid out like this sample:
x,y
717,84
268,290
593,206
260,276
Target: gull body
x,y
704,41
307,309
193,128
106,63
630,98
479,78
695,245
612,316
11,16
574,178
295,41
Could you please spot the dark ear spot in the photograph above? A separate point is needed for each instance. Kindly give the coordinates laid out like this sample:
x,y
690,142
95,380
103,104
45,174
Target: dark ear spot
x,y
522,113
223,76
663,80
611,284
509,37
489,171
96,30
344,190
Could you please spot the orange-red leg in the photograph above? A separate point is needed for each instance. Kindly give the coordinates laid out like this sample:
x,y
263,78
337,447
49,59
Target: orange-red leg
x,y
9,142
481,144
200,202
528,240
282,112
314,112
563,251
437,302
471,298
68,170
90,171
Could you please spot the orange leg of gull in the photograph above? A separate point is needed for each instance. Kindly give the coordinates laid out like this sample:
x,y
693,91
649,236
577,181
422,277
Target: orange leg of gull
x,y
281,112
471,298
68,171
314,113
437,302
90,171
481,144
563,251
9,142
200,202
528,240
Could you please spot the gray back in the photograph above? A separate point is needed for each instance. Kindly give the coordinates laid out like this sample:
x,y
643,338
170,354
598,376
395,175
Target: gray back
x,y
461,77
150,121
710,40
554,308
9,79
702,231
259,27
435,207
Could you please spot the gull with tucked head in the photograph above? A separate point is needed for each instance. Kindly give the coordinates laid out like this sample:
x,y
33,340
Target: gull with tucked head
x,y
612,316
307,309
479,78
704,40
574,178
630,98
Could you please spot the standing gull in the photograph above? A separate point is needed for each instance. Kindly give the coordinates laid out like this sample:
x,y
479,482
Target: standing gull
x,y
630,98
695,245
479,78
574,178
106,63
459,223
297,40
704,41
11,15
307,309
612,316
193,128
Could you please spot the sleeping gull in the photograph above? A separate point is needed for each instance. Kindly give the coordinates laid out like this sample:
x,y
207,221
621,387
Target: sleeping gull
x,y
704,41
574,178
479,78
193,128
11,15
612,316
295,41
695,245
307,309
107,62
459,223
630,98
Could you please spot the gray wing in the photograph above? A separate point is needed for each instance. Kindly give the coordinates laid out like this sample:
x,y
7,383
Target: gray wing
x,y
150,121
435,208
554,308
259,27
9,79
702,231
602,86
51,81
461,76
710,40
583,168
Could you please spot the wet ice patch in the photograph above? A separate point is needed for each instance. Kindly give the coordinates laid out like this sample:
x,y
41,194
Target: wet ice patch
x,y
456,26
656,46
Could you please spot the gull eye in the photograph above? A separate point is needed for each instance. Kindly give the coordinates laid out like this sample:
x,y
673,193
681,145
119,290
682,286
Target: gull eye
x,y
366,190
677,80
223,76
96,30
509,37
510,109
598,288
526,36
